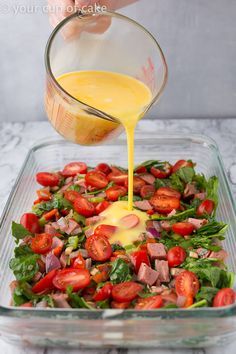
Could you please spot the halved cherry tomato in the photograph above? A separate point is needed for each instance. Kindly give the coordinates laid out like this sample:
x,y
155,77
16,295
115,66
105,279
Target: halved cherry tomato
x,y
125,292
76,278
224,297
176,256
99,248
47,179
100,277
96,179
115,192
27,304
104,168
206,207
181,163
139,257
30,222
188,301
150,303
71,195
74,168
150,212
164,204
168,192
183,228
102,206
78,262
84,207
138,184
141,169
120,305
147,191
104,293
118,179
41,243
105,230
163,172
45,284
44,194
186,284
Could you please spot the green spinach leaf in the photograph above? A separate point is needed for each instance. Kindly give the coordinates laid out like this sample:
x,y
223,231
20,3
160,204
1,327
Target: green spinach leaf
x,y
120,271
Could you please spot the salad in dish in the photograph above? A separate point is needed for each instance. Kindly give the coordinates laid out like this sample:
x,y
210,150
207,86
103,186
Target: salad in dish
x,y
81,247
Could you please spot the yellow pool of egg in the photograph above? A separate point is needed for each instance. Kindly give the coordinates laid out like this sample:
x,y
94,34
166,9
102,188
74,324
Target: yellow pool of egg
x,y
113,215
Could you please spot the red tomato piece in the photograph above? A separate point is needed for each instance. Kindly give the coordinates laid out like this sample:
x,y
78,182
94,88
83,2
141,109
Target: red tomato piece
x,y
44,194
105,230
161,173
84,207
30,222
130,221
47,179
147,191
115,192
125,292
181,163
49,215
118,179
104,168
141,169
164,204
74,168
104,293
71,195
99,248
139,257
78,262
206,207
224,297
120,305
183,228
102,206
45,284
186,284
27,305
96,179
41,243
76,278
138,184
150,303
168,192
176,256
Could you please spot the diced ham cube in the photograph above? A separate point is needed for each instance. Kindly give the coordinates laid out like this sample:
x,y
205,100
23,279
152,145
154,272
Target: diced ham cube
x,y
156,251
190,190
200,196
197,223
143,205
203,253
165,225
163,271
221,255
49,229
93,220
147,275
148,178
176,271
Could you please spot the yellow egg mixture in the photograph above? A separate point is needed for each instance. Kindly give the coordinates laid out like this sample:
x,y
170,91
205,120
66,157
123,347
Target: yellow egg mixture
x,y
124,98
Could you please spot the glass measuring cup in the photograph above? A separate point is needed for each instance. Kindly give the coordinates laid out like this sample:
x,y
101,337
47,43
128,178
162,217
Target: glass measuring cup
x,y
103,41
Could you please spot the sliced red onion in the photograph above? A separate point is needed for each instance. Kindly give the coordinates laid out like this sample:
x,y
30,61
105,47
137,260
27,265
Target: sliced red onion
x,y
49,229
72,225
52,262
65,187
56,242
63,260
157,225
88,263
42,304
81,251
62,224
60,300
154,232
101,195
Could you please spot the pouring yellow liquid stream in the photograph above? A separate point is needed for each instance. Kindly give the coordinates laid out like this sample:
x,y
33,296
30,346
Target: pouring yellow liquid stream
x,y
118,95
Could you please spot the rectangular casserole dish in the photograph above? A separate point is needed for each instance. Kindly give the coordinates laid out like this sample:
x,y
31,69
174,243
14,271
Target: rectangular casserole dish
x,y
115,328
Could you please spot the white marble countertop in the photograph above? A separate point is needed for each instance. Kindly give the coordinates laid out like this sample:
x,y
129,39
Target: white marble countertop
x,y
17,138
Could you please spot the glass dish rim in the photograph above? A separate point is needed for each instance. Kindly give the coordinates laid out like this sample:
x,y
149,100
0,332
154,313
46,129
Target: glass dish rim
x,y
109,314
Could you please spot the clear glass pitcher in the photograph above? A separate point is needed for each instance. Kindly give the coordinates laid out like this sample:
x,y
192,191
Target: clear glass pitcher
x,y
103,41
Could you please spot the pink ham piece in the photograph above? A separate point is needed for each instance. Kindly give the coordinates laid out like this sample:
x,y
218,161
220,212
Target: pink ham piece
x,y
176,271
156,251
52,262
157,289
147,275
49,229
61,224
60,301
143,205
200,196
65,187
88,232
197,223
162,269
93,220
190,190
203,253
42,304
221,255
148,178
73,227
165,225
130,221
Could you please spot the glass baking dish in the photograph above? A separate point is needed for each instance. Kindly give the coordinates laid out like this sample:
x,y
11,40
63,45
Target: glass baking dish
x,y
115,328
